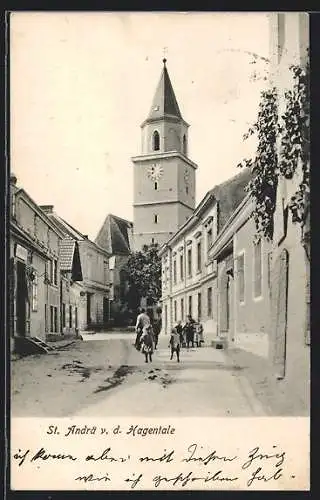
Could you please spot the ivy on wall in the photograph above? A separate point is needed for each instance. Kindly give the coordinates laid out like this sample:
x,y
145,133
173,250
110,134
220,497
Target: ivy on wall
x,y
292,131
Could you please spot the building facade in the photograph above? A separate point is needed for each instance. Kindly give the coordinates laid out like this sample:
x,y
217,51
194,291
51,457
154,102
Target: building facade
x,y
116,237
91,296
290,275
34,269
164,175
242,292
189,276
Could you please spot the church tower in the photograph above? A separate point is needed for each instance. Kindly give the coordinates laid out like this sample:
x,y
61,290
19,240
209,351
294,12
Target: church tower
x,y
164,176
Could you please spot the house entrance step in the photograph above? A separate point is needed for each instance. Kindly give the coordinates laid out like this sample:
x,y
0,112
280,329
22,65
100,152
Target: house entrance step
x,y
41,343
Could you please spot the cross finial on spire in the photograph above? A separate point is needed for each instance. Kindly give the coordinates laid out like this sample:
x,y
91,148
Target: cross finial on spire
x,y
165,50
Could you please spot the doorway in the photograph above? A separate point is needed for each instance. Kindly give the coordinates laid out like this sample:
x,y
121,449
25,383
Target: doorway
x,y
279,303
88,308
22,295
106,310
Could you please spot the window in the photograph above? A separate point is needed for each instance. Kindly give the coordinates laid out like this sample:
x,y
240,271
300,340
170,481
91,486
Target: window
x,y
257,271
269,269
156,186
63,315
187,192
182,308
35,293
181,267
156,141
76,317
155,219
209,238
199,256
199,305
190,305
175,310
165,317
45,318
70,316
53,319
240,277
189,262
152,241
209,302
53,272
13,206
184,144
174,271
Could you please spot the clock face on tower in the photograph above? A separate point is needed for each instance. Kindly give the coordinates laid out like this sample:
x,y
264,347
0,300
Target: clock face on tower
x,y
155,172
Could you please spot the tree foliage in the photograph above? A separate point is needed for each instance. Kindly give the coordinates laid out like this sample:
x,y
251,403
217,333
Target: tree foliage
x,y
144,276
291,129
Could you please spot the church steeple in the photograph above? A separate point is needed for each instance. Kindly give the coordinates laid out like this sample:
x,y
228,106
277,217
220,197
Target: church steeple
x,y
164,103
164,175
164,129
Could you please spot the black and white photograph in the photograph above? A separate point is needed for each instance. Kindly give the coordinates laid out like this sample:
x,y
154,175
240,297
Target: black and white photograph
x,y
159,215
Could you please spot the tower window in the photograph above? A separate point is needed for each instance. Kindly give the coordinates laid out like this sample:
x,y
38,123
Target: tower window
x,y
156,141
187,190
155,219
184,145
156,186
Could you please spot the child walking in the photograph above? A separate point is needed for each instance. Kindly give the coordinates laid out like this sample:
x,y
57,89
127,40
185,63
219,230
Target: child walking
x,y
174,343
147,343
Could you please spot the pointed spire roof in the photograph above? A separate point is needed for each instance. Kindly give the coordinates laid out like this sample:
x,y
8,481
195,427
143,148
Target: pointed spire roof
x,y
164,102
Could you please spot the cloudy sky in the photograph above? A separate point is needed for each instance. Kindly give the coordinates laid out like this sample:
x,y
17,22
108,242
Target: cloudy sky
x,y
82,83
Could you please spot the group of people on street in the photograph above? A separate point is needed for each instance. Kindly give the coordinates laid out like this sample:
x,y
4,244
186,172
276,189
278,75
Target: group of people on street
x,y
148,330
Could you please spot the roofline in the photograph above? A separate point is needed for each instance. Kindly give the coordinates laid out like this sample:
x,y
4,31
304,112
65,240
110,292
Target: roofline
x,y
121,218
39,211
193,219
165,117
230,227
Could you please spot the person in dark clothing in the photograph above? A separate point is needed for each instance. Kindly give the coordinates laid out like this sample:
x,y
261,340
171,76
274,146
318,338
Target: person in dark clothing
x,y
157,324
189,331
147,343
179,330
174,344
143,320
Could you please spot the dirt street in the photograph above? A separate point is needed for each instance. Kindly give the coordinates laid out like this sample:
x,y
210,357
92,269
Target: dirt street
x,y
105,375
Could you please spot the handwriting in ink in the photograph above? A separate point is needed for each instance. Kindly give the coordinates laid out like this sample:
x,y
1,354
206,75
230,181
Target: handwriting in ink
x,y
255,477
55,456
105,455
92,478
256,454
192,449
21,457
134,481
165,457
185,479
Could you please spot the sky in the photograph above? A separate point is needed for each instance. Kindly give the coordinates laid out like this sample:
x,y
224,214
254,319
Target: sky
x,y
82,83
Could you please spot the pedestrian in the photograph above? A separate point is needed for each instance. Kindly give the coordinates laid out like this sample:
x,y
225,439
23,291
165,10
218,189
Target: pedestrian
x,y
189,331
156,331
179,329
147,343
199,333
174,344
143,320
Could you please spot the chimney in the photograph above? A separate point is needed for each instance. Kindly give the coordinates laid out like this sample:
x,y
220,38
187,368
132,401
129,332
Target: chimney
x,y
48,209
13,179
